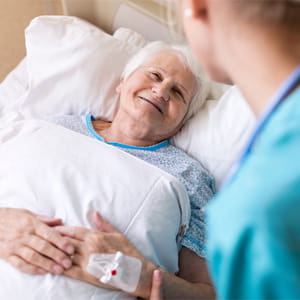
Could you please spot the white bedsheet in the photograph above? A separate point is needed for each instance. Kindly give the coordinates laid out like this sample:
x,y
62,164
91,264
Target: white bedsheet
x,y
54,171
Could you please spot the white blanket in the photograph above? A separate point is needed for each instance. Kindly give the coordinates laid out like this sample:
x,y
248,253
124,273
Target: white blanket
x,y
53,171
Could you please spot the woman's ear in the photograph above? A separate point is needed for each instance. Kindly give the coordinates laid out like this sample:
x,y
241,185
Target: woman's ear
x,y
197,9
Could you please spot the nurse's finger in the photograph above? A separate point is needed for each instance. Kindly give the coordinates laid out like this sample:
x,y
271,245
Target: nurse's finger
x,y
156,288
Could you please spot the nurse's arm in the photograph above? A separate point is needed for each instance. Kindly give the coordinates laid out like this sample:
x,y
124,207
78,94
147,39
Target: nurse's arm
x,y
192,282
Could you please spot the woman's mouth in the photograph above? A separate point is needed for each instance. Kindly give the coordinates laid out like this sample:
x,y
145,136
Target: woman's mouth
x,y
151,102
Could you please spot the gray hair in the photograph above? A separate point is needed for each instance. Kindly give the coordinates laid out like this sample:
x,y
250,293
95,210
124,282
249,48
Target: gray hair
x,y
186,57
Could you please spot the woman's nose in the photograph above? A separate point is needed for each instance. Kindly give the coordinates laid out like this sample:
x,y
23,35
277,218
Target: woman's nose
x,y
162,92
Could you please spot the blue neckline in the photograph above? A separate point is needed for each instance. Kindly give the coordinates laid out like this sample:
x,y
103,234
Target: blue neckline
x,y
90,127
272,106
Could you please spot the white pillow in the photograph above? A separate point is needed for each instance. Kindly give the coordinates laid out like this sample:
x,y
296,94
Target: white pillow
x,y
73,68
217,133
13,87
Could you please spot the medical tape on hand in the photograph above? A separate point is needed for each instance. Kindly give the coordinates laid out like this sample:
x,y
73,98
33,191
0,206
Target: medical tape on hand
x,y
118,270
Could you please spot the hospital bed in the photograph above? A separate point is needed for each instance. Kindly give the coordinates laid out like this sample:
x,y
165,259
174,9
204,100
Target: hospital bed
x,y
72,65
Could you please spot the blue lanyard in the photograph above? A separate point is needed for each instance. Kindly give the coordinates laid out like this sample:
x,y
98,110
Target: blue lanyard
x,y
274,103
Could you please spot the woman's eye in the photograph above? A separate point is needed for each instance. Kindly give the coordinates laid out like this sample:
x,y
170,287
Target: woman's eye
x,y
155,75
178,92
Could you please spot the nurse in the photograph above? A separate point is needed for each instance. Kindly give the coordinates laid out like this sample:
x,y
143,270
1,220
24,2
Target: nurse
x,y
253,223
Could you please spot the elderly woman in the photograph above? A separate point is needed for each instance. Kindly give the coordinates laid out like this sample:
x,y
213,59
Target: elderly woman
x,y
158,92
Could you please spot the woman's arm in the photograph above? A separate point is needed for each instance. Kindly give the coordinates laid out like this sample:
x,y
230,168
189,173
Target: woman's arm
x,y
27,241
194,284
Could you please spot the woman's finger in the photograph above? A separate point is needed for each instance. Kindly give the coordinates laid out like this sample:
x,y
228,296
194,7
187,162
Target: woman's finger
x,y
156,288
49,220
36,259
45,249
24,266
102,224
78,233
51,235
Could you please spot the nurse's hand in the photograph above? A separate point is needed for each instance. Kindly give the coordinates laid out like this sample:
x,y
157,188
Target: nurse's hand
x,y
106,240
30,244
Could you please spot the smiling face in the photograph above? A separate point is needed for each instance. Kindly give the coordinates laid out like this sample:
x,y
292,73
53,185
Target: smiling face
x,y
158,94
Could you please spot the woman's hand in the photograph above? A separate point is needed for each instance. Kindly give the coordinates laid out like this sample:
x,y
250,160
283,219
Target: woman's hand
x,y
28,242
107,240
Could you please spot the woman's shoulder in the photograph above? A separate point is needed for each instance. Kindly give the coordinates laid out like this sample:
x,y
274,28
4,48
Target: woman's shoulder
x,y
63,118
73,122
185,158
185,162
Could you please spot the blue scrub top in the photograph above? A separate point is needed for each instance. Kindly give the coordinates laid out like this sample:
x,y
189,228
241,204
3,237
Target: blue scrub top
x,y
254,223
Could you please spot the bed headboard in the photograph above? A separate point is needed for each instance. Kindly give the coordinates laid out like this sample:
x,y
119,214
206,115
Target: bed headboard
x,y
148,17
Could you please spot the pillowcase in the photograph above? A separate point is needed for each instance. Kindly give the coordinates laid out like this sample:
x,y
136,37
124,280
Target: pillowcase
x,y
73,67
15,83
13,87
216,135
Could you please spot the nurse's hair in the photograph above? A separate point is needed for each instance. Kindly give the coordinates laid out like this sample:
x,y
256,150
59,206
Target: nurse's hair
x,y
281,13
188,60
280,17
